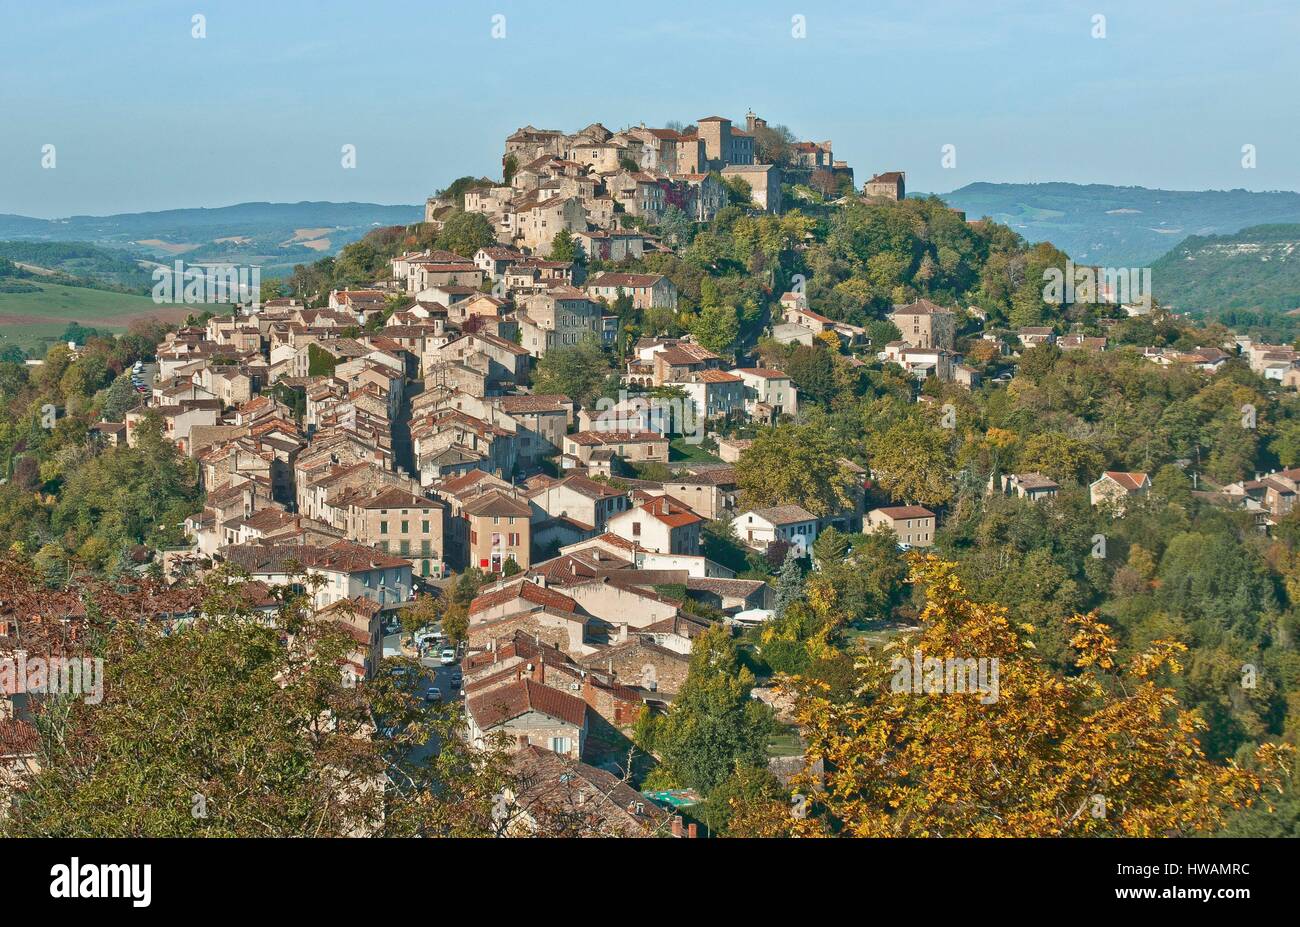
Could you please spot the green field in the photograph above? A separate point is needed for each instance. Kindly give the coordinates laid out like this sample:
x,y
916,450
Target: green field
x,y
34,320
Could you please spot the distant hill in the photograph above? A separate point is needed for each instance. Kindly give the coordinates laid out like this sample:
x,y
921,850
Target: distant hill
x,y
78,260
1255,268
274,236
1120,226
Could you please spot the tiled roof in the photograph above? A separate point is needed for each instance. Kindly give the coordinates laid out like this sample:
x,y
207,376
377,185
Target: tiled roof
x,y
1130,481
526,590
500,705
785,514
496,502
905,511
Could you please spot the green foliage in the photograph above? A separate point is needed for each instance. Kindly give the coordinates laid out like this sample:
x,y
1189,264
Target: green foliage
x,y
795,465
466,232
912,462
579,371
230,726
789,583
713,726
563,246
716,328
320,362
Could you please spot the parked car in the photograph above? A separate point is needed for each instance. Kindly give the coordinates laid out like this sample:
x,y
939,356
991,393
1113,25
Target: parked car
x,y
447,657
427,637
433,694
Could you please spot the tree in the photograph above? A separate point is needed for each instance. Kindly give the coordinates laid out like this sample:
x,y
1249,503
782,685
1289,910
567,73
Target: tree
x,y
466,232
716,328
912,462
789,583
795,465
738,190
713,726
1061,457
579,371
811,368
121,396
231,725
1104,752
676,227
563,246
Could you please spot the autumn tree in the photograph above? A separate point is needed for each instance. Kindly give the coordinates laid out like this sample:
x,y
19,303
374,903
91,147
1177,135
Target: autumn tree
x,y
1107,751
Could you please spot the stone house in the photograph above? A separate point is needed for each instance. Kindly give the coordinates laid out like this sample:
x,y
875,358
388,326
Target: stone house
x,y
914,524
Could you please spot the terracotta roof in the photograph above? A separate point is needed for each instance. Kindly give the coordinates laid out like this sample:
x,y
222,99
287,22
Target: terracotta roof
x,y
1130,481
396,498
526,590
671,512
716,376
344,556
500,705
497,502
625,280
905,511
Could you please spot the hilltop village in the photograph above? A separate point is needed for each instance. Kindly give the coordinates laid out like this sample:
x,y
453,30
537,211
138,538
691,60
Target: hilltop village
x,y
568,430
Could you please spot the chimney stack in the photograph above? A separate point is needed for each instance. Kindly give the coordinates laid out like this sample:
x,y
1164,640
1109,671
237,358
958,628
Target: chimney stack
x,y
677,826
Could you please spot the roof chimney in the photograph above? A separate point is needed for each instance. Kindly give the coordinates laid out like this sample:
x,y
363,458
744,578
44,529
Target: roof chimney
x,y
677,826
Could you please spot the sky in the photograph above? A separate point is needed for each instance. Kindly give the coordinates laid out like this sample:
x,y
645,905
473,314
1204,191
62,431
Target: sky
x,y
144,115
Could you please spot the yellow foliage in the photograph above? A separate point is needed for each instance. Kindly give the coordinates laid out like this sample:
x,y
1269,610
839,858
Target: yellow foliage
x,y
1107,752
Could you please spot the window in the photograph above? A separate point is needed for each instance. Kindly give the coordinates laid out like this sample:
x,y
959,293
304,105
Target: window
x,y
383,527
560,745
636,529
425,547
406,527
405,547
424,527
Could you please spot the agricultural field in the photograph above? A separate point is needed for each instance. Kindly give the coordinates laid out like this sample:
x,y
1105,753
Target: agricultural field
x,y
33,320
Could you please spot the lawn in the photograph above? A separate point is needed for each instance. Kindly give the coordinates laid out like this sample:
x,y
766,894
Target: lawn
x,y
32,320
679,449
785,743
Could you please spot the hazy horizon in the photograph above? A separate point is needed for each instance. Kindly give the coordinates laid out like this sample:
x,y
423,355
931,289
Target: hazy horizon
x,y
145,117
420,205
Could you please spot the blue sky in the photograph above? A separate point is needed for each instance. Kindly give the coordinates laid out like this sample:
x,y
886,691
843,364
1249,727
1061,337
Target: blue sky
x,y
144,116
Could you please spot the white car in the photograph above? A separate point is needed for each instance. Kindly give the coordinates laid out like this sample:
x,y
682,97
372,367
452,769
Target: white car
x,y
447,657
433,694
